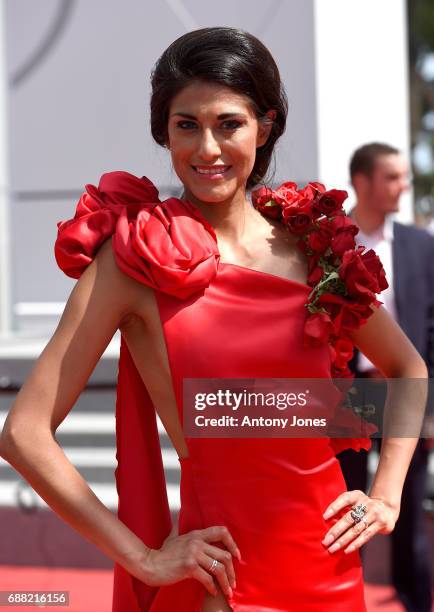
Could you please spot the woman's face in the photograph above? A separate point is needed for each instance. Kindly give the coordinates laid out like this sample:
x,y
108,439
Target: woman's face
x,y
213,134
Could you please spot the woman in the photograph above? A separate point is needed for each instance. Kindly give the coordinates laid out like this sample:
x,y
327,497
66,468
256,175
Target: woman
x,y
208,286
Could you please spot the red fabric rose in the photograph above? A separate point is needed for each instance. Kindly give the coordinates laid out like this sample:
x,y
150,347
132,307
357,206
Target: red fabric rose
x,y
261,196
347,422
286,194
321,236
341,351
263,201
375,267
317,329
344,231
346,315
269,202
298,215
312,190
351,316
363,274
329,202
168,246
120,189
315,271
78,239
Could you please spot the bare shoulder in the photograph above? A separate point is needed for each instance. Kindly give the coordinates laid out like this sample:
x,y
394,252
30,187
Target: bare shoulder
x,y
284,256
284,240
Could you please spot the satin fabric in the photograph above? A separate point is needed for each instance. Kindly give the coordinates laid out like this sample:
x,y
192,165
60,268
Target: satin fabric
x,y
219,320
270,493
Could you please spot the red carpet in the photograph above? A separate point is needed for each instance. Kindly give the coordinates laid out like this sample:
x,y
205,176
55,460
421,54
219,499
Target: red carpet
x,y
91,590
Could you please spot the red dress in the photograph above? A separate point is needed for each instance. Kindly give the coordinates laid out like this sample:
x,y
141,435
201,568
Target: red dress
x,y
219,320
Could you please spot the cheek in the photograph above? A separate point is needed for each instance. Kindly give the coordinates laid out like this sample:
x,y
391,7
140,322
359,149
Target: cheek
x,y
244,150
179,143
180,153
389,190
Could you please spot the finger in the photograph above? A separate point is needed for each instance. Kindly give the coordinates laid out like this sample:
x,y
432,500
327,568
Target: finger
x,y
344,524
364,537
221,533
224,557
349,498
349,535
206,579
219,572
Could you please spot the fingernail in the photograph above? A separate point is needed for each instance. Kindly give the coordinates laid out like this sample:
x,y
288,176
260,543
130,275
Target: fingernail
x,y
349,549
238,553
327,514
335,547
230,592
328,539
235,584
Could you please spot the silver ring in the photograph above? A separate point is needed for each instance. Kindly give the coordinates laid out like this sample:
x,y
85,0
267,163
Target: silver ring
x,y
358,512
213,565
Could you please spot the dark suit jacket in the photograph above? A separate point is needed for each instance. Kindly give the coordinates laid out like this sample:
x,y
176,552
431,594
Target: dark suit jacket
x,y
413,284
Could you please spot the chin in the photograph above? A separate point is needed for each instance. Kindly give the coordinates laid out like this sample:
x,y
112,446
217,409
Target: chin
x,y
210,199
211,196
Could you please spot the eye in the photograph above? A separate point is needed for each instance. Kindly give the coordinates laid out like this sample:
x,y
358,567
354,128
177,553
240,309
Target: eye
x,y
231,124
186,125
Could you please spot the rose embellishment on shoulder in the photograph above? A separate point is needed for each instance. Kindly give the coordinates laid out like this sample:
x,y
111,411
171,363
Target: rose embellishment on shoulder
x,y
167,245
344,280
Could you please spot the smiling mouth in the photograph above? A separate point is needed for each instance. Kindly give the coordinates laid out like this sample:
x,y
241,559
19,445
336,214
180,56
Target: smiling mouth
x,y
211,170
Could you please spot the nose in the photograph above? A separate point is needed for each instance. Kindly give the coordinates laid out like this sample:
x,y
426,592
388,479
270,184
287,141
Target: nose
x,y
209,147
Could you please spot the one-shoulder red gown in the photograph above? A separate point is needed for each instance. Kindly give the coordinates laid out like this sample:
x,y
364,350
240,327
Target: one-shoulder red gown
x,y
271,492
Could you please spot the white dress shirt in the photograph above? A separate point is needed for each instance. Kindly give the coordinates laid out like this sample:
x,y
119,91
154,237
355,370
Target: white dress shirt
x,y
381,242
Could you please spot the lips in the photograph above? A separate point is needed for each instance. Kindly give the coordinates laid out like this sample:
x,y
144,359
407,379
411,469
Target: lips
x,y
211,170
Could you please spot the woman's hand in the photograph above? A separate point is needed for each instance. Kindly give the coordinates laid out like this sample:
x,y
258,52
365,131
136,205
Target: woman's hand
x,y
191,555
349,535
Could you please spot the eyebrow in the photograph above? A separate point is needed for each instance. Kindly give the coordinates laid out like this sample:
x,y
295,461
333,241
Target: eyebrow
x,y
220,117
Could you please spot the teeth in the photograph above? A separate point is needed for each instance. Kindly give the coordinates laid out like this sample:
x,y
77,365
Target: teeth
x,y
212,171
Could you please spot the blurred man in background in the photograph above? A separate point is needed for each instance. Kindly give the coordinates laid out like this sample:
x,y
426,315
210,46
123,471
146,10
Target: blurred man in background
x,y
379,175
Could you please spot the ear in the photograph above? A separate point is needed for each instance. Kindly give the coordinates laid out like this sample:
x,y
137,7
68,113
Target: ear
x,y
265,124
360,182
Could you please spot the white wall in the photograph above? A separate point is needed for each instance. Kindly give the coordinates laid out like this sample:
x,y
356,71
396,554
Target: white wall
x,y
362,83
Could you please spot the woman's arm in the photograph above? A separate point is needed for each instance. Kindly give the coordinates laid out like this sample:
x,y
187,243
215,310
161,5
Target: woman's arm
x,y
385,344
391,351
97,306
103,300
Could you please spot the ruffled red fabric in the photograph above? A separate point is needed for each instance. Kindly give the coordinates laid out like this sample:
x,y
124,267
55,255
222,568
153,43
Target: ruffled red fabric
x,y
98,209
166,245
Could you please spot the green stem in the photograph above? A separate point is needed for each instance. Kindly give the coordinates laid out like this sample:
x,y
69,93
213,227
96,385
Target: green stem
x,y
328,278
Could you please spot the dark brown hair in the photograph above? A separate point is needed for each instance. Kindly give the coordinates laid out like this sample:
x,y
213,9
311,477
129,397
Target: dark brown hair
x,y
364,159
230,57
